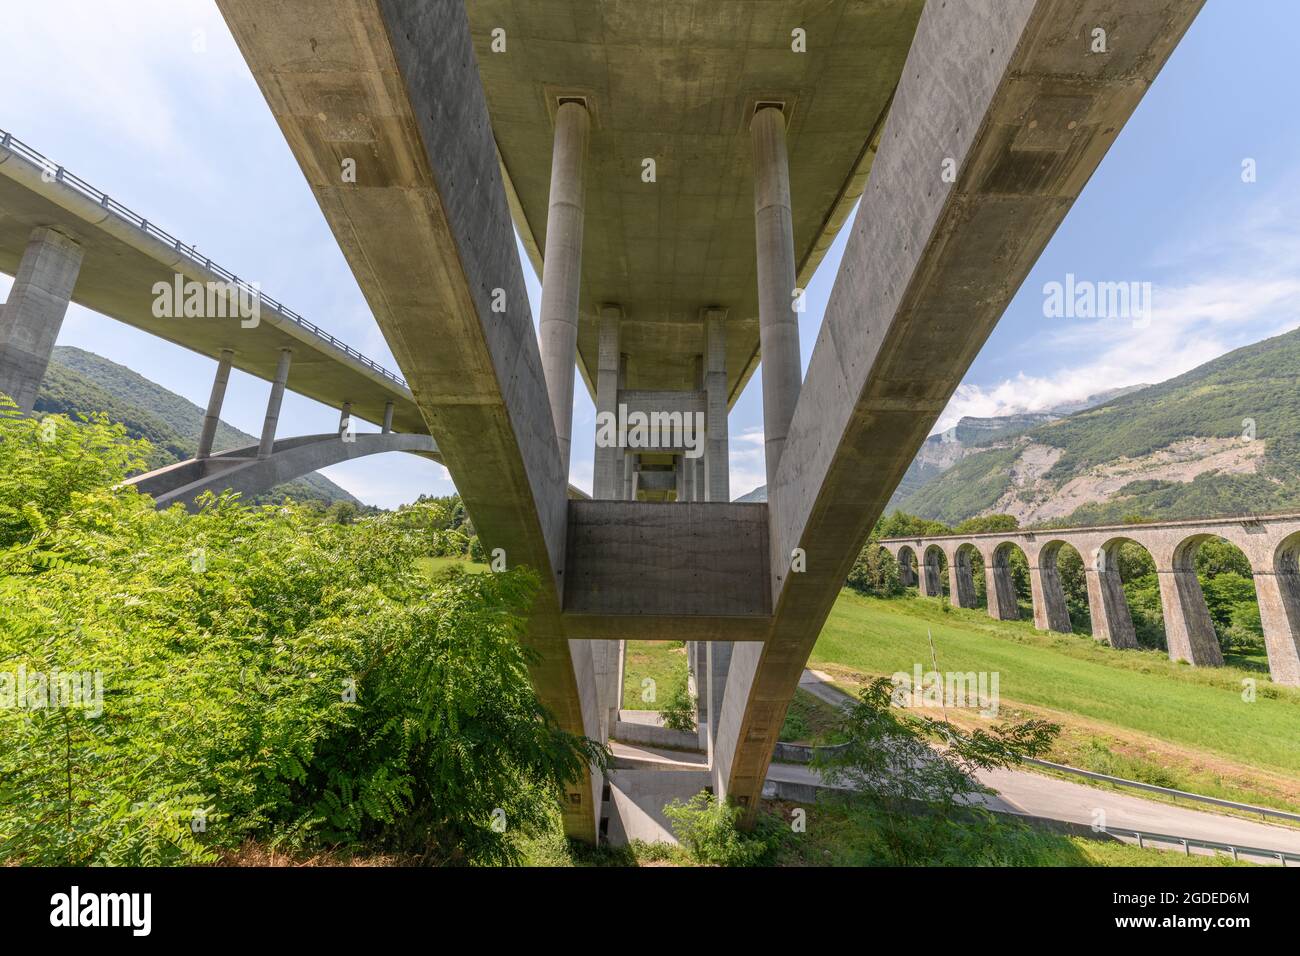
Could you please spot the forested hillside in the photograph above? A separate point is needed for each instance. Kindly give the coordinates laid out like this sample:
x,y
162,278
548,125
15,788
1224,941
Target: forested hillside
x,y
1223,438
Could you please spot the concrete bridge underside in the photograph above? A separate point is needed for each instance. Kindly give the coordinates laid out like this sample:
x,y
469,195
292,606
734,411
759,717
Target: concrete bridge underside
x,y
1270,543
967,128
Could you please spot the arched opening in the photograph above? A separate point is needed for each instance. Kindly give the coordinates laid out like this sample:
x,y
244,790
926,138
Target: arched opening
x,y
934,579
1009,590
907,567
875,572
1281,603
1062,569
1126,610
967,563
1051,610
1213,582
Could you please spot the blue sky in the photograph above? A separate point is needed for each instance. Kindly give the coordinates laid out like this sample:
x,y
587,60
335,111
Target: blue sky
x,y
150,101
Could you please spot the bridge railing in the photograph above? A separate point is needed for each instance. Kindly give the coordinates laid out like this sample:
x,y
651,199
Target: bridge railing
x,y
61,175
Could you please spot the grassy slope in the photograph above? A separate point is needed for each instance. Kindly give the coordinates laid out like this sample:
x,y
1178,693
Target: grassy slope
x,y
1122,711
662,661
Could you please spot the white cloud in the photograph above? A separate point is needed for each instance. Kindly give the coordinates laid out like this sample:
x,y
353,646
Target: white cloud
x,y
747,460
1244,289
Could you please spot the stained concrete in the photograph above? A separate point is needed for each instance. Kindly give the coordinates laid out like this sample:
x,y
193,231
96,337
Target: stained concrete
x,y
31,318
121,264
427,231
1012,97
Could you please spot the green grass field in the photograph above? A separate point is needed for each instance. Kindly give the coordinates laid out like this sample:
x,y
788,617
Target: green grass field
x,y
664,662
1131,711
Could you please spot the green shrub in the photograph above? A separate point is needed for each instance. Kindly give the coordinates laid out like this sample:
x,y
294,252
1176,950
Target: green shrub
x,y
265,672
710,831
678,712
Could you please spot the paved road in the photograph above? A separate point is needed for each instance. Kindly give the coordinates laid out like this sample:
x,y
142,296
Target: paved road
x,y
1035,794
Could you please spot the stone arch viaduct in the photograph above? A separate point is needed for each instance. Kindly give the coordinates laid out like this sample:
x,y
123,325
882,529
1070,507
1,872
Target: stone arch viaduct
x,y
1271,544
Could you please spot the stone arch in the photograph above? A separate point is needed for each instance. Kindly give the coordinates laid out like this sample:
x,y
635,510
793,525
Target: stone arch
x,y
1279,610
1004,600
961,576
1189,628
934,568
1051,611
907,566
1112,620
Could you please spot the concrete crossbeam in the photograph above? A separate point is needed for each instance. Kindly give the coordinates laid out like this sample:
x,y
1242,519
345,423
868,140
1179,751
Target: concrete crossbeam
x,y
1011,101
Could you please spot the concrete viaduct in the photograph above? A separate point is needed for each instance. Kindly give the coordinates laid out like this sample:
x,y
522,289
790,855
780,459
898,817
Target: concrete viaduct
x,y
1270,543
676,172
64,240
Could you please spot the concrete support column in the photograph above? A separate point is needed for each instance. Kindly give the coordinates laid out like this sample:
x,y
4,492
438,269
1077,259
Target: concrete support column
x,y
961,580
778,324
717,468
1279,613
906,571
31,319
679,466
608,474
629,492
1108,607
273,404
1050,610
212,417
1000,588
717,667
562,267
698,490
388,418
636,476
930,584
345,417
1189,631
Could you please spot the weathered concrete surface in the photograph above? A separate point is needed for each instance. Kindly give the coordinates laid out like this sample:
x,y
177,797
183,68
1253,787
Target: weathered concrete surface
x,y
426,229
562,273
1011,95
30,320
1269,542
642,561
121,264
677,83
243,471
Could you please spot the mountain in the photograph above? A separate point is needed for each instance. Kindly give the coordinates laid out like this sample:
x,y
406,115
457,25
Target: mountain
x,y
940,452
1223,438
82,383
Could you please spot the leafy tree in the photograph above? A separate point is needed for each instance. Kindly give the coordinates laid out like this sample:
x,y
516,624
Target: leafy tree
x,y
916,796
262,673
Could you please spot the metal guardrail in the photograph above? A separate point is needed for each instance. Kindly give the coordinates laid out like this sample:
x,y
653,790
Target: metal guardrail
x,y
1143,838
16,146
1167,791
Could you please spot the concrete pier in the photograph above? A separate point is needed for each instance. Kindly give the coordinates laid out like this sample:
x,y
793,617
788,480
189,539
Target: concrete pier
x,y
33,315
212,417
778,322
273,404
716,466
562,269
607,479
